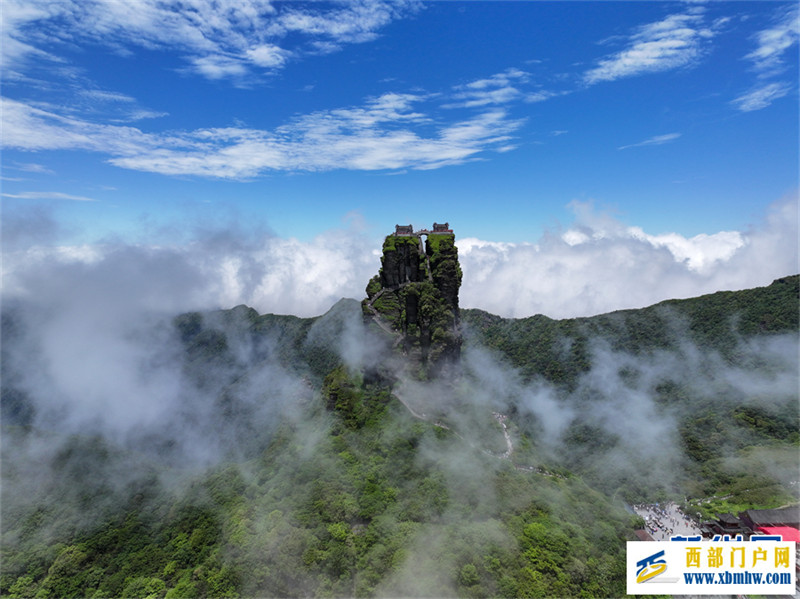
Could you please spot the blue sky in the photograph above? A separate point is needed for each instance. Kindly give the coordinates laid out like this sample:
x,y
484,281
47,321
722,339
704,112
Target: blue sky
x,y
673,125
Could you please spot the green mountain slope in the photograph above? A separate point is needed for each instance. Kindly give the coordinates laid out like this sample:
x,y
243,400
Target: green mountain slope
x,y
383,505
321,470
558,349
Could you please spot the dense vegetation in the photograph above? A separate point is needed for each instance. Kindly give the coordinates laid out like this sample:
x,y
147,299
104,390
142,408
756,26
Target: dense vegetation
x,y
382,503
724,432
415,295
559,350
352,495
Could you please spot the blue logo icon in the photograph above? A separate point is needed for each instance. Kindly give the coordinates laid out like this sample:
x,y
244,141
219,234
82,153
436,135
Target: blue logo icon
x,y
650,567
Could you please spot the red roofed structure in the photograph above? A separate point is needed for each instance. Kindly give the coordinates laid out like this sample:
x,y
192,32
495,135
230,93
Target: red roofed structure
x,y
787,532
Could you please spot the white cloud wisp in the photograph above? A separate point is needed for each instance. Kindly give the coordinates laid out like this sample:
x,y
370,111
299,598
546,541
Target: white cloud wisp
x,y
775,41
218,39
656,140
47,195
761,96
768,61
385,133
673,42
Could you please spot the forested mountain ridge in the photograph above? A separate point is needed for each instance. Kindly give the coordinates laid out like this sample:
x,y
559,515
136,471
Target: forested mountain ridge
x,y
310,474
716,322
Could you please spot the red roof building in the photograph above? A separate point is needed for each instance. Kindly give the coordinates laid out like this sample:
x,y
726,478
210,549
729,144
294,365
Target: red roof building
x,y
787,532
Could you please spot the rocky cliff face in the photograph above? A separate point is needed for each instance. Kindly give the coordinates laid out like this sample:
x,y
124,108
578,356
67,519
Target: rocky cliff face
x,y
415,298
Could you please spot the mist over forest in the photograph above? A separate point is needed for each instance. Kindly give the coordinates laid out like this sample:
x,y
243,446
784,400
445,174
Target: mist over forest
x,y
150,451
223,375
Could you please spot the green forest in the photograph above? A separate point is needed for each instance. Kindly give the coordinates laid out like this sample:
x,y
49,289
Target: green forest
x,y
321,471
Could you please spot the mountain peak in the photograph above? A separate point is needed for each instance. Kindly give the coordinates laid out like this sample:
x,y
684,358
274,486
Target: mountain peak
x,y
414,297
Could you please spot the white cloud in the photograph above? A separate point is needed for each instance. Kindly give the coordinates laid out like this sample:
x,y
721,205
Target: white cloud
x,y
656,140
31,167
761,97
124,107
385,133
16,15
29,128
541,96
47,195
673,42
354,23
221,268
598,265
499,80
767,59
106,96
499,95
774,42
501,88
701,252
219,67
601,265
268,56
219,39
141,114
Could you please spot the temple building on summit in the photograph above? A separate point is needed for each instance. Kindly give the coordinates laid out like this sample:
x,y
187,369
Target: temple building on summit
x,y
438,228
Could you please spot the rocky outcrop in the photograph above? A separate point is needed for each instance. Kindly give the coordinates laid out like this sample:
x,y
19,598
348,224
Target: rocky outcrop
x,y
401,261
415,298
